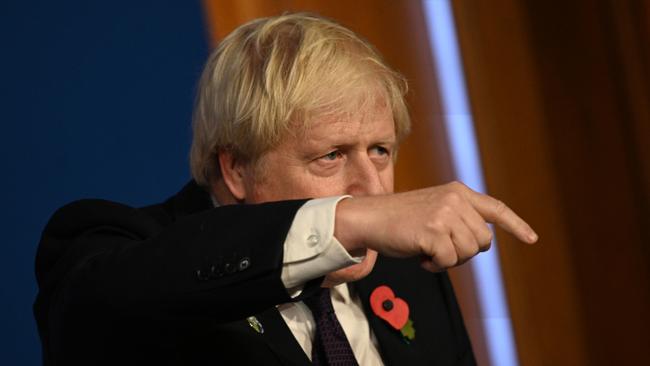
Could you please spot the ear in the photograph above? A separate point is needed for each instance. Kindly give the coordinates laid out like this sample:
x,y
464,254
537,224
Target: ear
x,y
233,172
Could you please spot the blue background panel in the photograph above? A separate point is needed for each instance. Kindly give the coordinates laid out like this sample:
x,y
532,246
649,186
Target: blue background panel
x,y
96,101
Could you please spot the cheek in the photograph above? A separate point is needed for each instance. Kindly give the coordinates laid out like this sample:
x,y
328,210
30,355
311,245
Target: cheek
x,y
268,189
292,184
388,179
282,179
309,185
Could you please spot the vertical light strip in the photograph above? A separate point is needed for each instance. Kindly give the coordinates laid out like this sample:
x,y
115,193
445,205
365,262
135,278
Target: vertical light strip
x,y
467,162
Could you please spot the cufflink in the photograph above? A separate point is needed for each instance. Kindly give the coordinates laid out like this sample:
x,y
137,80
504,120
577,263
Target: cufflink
x,y
313,240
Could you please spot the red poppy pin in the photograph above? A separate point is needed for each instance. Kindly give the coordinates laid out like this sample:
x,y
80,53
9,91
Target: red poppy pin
x,y
393,310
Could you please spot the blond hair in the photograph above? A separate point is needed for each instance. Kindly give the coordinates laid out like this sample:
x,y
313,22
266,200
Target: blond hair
x,y
271,73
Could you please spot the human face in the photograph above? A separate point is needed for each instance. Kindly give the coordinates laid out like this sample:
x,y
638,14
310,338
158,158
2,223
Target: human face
x,y
331,157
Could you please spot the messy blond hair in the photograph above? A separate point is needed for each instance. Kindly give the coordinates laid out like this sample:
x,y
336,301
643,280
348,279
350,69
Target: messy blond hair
x,y
273,74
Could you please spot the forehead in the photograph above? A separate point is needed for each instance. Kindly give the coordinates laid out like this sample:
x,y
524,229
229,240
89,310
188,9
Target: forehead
x,y
371,122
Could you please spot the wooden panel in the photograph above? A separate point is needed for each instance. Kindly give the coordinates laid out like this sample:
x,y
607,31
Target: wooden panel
x,y
512,137
560,100
591,104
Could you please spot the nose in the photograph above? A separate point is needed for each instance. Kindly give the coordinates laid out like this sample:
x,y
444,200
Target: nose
x,y
363,177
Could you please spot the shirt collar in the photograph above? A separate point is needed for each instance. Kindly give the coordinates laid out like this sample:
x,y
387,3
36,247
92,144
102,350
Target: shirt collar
x,y
341,293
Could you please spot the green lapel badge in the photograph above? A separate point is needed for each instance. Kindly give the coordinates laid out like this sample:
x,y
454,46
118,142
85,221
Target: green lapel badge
x,y
255,324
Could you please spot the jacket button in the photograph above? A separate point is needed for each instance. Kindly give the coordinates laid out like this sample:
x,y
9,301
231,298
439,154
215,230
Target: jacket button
x,y
229,268
244,263
202,275
214,272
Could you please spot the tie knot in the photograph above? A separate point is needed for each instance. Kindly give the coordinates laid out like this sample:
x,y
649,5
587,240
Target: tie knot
x,y
320,303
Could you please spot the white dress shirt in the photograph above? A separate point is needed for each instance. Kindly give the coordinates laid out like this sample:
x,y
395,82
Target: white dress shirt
x,y
311,251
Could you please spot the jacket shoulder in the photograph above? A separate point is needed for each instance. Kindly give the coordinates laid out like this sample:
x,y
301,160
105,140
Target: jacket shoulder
x,y
84,216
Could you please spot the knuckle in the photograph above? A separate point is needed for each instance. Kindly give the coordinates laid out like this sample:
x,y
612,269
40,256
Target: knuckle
x,y
422,245
500,208
471,250
446,257
456,185
451,260
487,236
476,248
437,226
431,266
425,245
452,198
445,212
485,247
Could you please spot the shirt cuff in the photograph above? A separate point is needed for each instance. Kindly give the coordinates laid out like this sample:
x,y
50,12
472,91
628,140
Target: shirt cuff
x,y
310,249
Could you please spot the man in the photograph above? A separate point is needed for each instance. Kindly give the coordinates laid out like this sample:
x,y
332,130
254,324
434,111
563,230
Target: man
x,y
296,130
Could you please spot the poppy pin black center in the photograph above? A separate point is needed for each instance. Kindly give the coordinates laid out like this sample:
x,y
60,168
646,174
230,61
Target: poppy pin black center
x,y
387,305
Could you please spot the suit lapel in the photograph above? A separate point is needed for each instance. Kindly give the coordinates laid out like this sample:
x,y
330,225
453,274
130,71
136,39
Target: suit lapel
x,y
394,350
392,346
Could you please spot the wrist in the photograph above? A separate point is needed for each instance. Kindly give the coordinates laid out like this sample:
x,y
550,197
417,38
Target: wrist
x,y
346,228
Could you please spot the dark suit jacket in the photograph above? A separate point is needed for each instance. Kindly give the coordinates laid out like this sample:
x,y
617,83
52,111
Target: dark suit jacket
x,y
173,284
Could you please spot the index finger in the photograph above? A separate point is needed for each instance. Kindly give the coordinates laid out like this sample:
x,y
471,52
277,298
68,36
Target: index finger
x,y
497,212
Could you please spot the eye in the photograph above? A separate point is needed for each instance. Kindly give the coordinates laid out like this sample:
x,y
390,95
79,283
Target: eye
x,y
331,156
380,151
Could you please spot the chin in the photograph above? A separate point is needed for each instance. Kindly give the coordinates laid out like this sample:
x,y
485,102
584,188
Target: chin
x,y
352,273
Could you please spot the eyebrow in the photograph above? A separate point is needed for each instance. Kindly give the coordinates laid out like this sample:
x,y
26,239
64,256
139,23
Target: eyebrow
x,y
379,142
346,141
389,140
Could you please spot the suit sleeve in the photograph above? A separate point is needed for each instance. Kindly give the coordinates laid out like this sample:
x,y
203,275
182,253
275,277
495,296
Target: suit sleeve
x,y
221,264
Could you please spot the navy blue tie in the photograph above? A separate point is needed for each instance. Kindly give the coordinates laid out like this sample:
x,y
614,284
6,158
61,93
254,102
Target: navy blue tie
x,y
331,347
